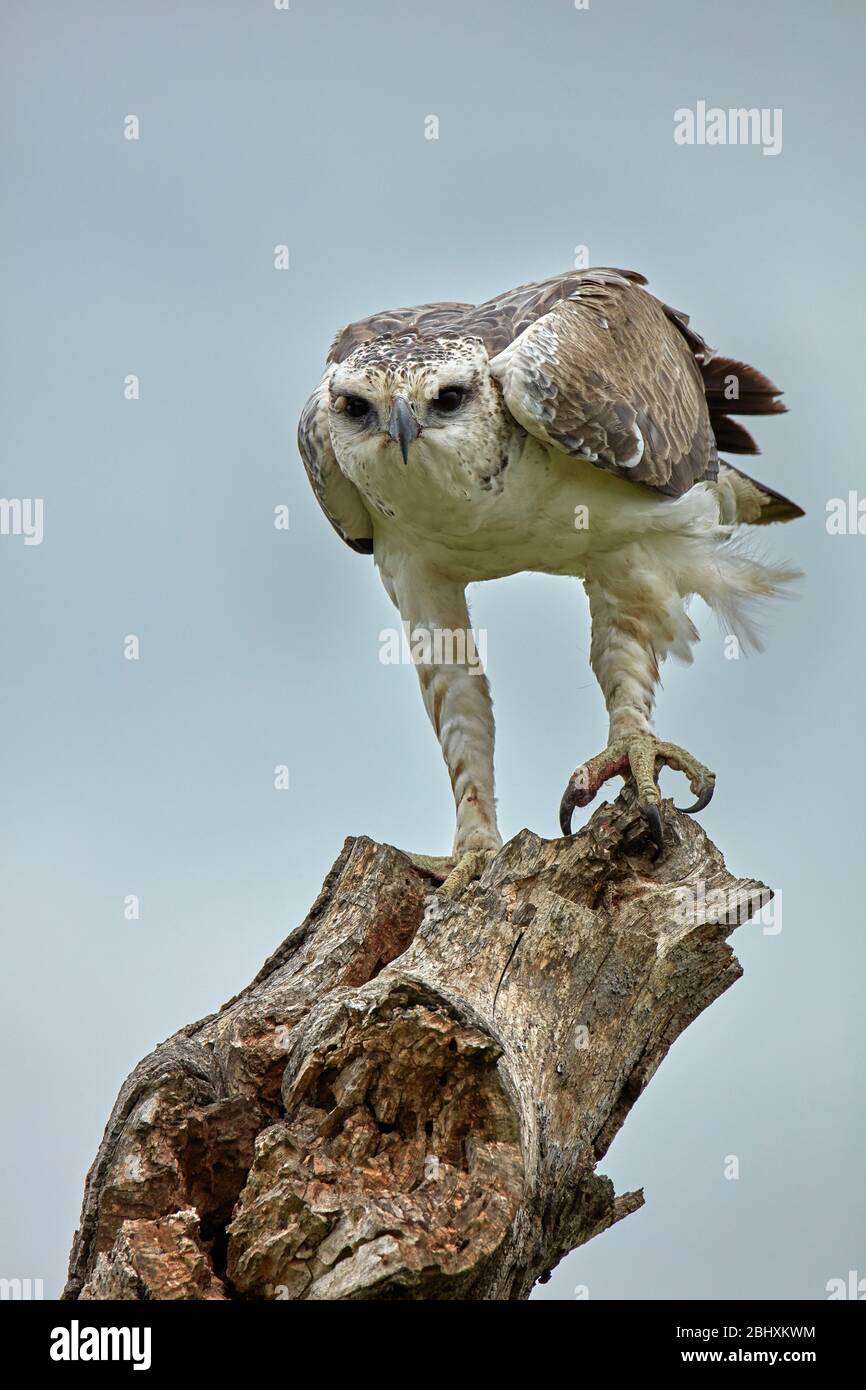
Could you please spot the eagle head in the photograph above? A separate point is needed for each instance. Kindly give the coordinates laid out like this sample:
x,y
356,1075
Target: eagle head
x,y
413,403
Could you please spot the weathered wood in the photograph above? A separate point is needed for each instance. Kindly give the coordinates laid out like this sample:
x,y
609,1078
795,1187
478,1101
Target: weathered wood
x,y
411,1097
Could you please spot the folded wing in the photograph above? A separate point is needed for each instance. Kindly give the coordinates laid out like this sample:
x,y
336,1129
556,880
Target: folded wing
x,y
608,375
338,497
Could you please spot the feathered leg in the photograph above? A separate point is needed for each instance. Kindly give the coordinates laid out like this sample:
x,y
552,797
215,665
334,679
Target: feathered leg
x,y
636,620
456,696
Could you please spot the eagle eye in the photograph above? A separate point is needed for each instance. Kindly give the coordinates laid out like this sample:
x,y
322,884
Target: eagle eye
x,y
356,407
450,399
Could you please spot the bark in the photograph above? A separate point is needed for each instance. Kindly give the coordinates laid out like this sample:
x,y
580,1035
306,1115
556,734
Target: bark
x,y
411,1097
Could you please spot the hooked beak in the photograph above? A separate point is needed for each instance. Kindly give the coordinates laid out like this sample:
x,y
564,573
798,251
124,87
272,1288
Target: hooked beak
x,y
402,426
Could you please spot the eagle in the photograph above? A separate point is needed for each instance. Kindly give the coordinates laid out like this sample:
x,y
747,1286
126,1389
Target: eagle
x,y
570,426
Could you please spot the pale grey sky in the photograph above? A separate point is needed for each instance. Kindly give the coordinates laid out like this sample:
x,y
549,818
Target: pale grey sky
x,y
155,257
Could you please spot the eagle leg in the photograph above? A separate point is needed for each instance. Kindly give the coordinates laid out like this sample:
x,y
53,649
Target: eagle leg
x,y
640,756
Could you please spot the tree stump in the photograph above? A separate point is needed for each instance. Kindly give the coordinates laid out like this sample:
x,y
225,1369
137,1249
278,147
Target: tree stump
x,y
411,1097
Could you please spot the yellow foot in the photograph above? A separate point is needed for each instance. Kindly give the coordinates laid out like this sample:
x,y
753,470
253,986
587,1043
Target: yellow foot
x,y
455,873
639,756
468,866
437,865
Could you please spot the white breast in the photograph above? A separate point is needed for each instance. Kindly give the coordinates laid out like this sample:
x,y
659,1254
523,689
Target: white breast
x,y
547,512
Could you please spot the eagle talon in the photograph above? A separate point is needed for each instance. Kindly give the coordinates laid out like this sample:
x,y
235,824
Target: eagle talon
x,y
637,757
566,809
705,796
652,814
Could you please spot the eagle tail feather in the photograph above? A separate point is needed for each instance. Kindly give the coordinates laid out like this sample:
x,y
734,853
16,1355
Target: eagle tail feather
x,y
735,388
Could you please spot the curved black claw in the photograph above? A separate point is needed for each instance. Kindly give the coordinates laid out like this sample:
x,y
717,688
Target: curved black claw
x,y
654,819
566,809
703,801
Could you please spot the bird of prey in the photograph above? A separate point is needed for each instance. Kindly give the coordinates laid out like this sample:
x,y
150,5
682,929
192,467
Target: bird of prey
x,y
571,426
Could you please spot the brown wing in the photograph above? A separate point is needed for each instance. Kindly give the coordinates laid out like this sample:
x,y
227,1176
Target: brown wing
x,y
593,364
338,497
609,375
499,321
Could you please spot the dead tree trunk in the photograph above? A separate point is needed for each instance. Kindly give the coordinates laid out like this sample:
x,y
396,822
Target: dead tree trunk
x,y
411,1097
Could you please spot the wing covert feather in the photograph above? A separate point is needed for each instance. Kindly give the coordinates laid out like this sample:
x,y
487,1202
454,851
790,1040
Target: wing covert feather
x,y
606,376
338,497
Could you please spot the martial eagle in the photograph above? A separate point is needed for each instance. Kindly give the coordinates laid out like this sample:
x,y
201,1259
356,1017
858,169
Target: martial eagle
x,y
461,442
